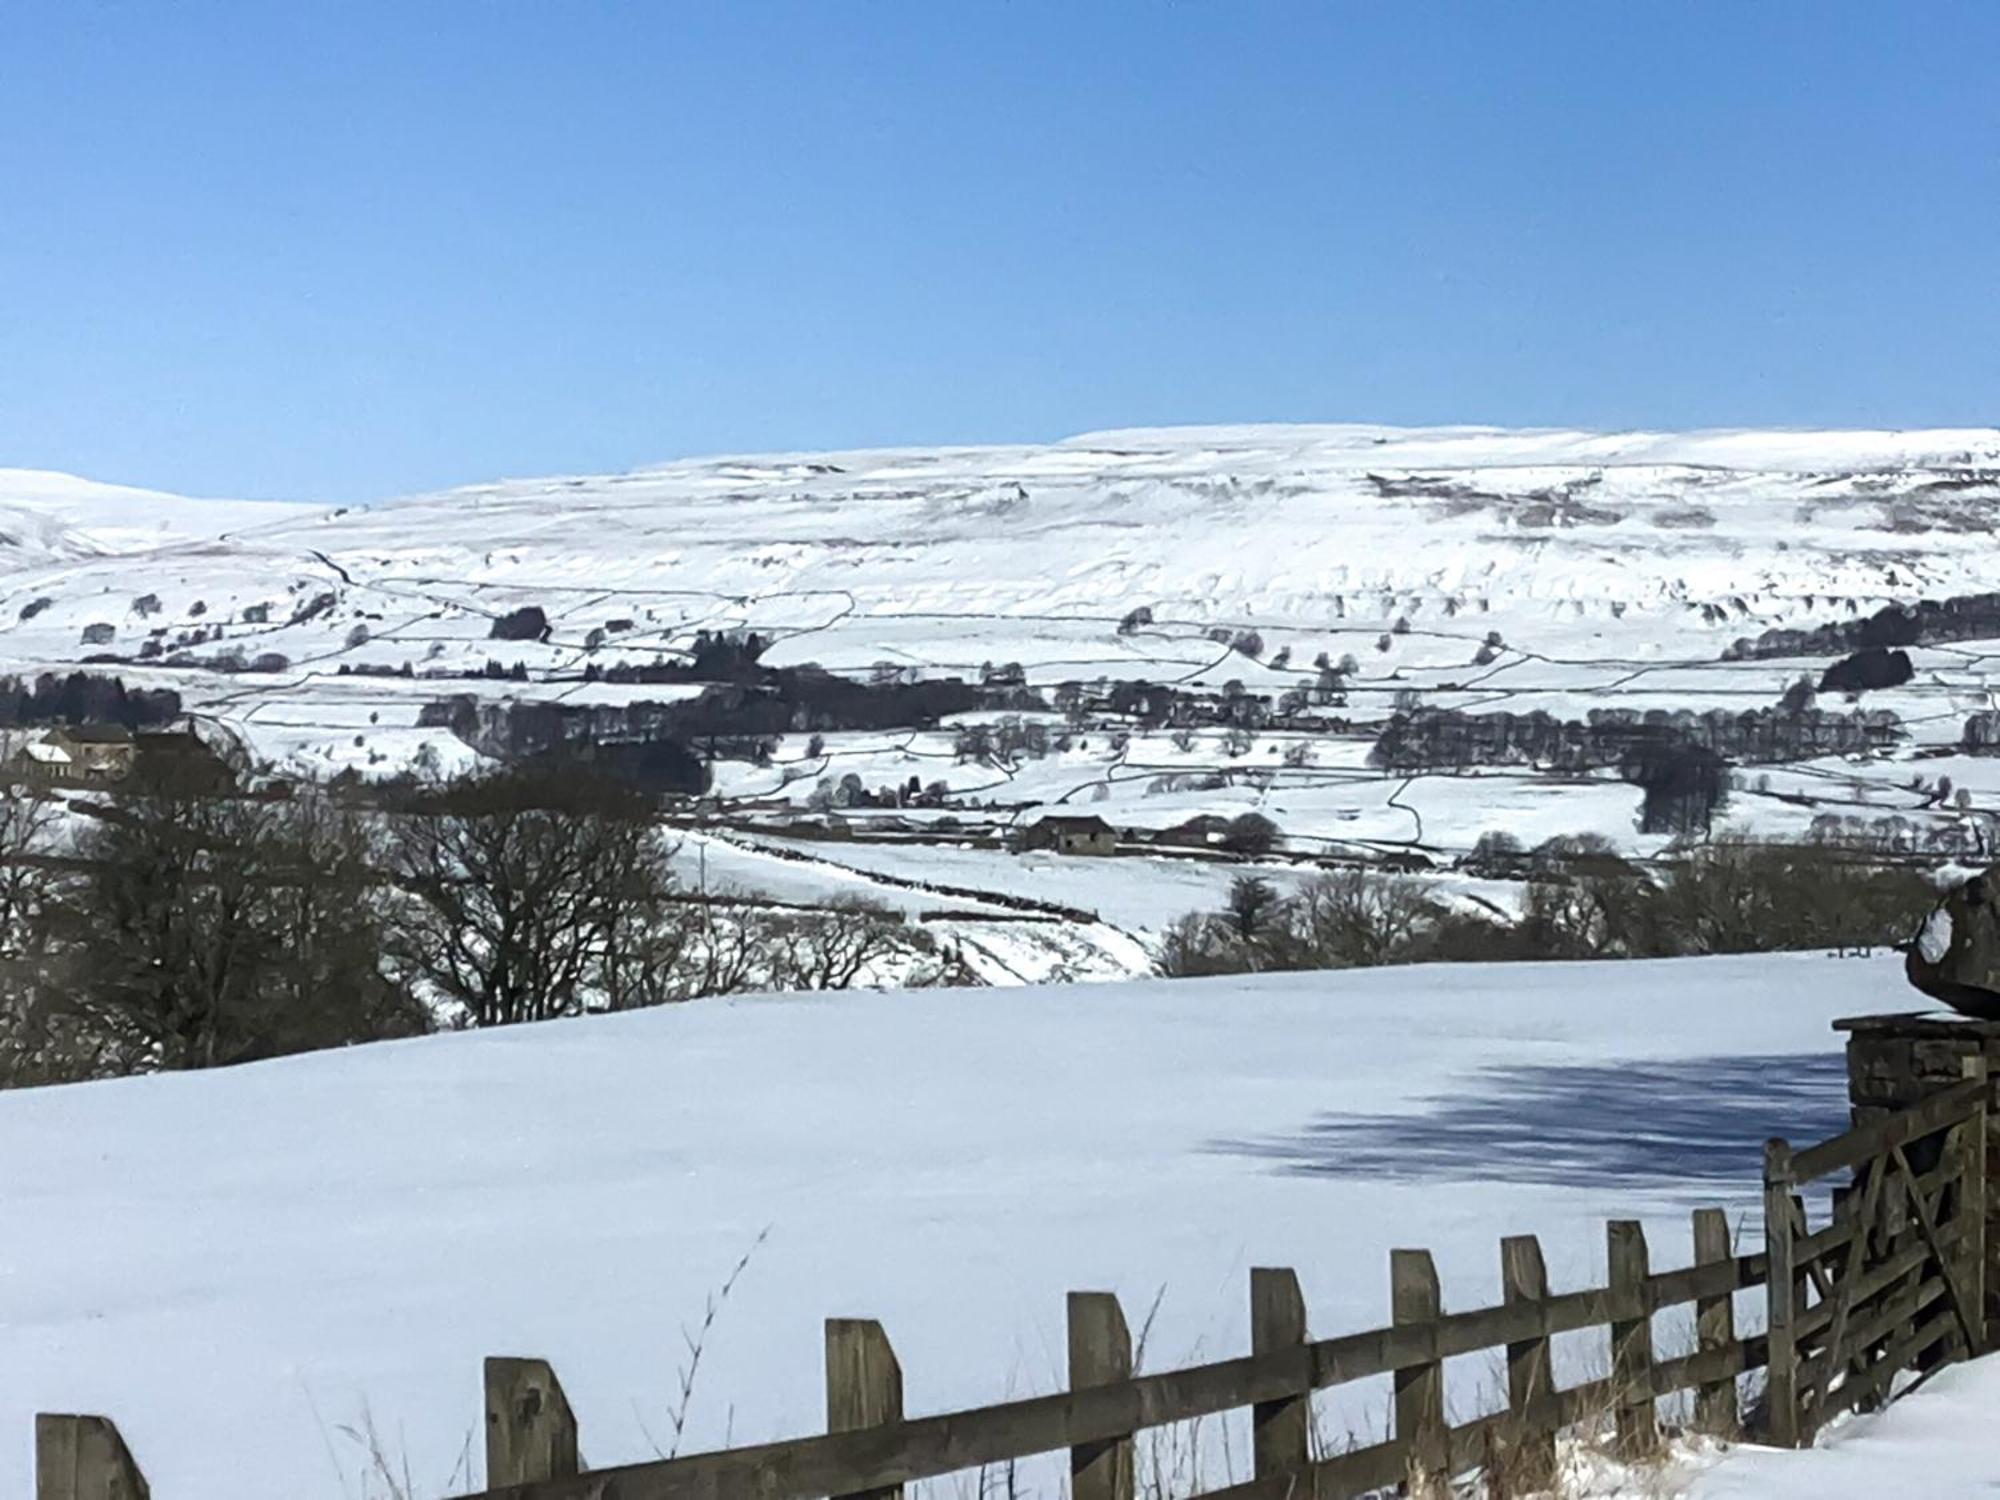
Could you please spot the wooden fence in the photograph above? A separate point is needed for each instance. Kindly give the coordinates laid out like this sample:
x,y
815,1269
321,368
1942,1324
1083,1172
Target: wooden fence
x,y
1894,1280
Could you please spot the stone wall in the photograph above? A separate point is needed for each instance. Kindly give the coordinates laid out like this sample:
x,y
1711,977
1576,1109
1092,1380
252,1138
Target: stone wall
x,y
1896,1061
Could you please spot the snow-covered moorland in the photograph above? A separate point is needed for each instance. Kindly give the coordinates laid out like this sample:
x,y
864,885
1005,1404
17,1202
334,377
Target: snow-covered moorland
x,y
1285,591
252,1261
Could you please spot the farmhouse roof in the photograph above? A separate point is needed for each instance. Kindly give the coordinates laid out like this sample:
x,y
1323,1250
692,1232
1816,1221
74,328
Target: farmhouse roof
x,y
100,734
1074,823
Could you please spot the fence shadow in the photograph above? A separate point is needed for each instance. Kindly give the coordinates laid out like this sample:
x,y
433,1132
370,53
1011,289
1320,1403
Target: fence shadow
x,y
1652,1125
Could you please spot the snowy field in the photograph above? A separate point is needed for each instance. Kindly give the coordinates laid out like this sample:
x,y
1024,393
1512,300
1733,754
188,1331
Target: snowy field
x,y
1136,893
256,1261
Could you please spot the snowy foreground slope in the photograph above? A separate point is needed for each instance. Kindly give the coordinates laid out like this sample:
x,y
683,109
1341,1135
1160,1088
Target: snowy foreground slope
x,y
1937,1443
249,1262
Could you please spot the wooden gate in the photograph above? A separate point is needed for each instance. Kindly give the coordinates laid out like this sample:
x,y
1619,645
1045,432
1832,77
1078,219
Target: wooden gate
x,y
1896,1277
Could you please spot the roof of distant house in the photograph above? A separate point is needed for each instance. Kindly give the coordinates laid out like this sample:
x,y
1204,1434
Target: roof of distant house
x,y
1074,823
100,734
179,738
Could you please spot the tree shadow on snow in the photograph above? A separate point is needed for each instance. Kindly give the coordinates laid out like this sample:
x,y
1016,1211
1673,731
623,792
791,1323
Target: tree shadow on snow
x,y
1655,1124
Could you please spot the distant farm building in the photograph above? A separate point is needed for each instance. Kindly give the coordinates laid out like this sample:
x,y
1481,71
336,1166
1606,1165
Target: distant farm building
x,y
1071,835
1203,831
185,761
1406,862
82,756
102,754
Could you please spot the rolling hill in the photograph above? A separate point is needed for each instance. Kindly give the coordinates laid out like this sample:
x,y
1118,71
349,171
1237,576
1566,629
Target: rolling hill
x,y
1153,626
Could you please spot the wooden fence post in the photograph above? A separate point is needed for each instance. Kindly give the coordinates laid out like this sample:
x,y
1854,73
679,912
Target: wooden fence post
x,y
1280,1430
1529,1458
1972,1192
1419,1391
1782,1378
530,1430
864,1385
1100,1353
1715,1326
84,1458
1632,1341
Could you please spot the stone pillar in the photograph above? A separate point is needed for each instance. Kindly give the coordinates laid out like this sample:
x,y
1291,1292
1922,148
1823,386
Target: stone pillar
x,y
1894,1061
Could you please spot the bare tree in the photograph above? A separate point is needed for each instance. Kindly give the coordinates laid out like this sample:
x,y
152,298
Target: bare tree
x,y
206,930
1586,910
172,957
1197,945
42,1039
680,948
833,948
518,881
29,834
1343,920
330,979
1737,895
1355,917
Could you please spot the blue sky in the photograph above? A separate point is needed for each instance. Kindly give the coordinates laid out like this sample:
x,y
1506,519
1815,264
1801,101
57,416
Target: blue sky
x,y
342,251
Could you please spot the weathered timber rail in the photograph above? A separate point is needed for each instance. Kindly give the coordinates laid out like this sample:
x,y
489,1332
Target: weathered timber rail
x,y
1893,1281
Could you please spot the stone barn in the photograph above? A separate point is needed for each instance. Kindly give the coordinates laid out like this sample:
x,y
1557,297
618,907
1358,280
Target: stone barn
x,y
1070,835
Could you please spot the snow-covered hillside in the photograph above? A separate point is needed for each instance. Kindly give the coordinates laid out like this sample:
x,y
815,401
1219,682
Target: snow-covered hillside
x,y
858,557
46,517
1285,590
1594,546
255,1261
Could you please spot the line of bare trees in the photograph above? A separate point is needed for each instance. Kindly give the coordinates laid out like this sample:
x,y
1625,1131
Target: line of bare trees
x,y
168,930
1581,900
